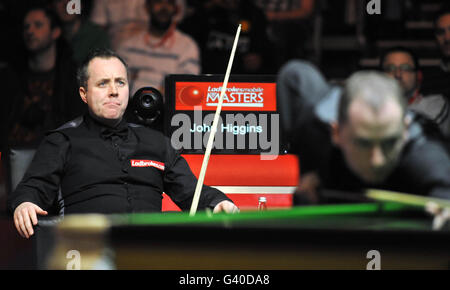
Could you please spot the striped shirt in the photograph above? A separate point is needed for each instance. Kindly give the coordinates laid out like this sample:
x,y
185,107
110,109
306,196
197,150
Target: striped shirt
x,y
118,12
112,13
149,63
278,5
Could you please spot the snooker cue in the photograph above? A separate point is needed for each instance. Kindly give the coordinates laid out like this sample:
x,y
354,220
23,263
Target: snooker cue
x,y
201,177
405,198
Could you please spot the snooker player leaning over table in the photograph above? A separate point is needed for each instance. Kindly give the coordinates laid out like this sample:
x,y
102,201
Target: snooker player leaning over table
x,y
357,137
101,163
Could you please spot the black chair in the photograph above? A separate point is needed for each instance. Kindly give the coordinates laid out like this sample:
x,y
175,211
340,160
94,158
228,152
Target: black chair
x,y
17,161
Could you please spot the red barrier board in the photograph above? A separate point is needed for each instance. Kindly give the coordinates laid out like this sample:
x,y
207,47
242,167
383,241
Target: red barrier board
x,y
245,178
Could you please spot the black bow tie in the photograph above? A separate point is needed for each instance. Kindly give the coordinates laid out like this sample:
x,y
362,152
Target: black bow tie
x,y
121,131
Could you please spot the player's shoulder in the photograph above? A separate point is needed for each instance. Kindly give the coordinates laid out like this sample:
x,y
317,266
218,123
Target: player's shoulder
x,y
426,153
58,134
147,131
75,123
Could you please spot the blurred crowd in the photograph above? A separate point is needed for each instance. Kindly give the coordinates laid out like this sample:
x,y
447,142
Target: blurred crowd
x,y
47,39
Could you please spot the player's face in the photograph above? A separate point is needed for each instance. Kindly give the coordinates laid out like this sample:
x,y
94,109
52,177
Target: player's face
x,y
443,34
107,88
400,65
372,141
37,32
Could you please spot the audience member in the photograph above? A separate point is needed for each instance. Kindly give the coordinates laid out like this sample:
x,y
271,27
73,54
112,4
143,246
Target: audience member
x,y
160,50
123,19
214,26
402,64
436,80
44,96
288,27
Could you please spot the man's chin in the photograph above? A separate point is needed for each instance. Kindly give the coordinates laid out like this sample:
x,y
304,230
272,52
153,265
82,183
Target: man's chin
x,y
114,114
112,117
108,119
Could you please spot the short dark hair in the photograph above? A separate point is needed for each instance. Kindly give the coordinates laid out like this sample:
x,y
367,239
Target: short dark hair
x,y
49,13
373,88
444,10
399,49
82,72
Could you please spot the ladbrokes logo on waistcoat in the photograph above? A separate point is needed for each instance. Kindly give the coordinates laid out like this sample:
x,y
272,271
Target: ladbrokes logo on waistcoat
x,y
147,163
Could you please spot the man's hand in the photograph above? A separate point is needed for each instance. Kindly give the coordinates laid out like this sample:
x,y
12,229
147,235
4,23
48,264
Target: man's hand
x,y
307,191
226,206
25,217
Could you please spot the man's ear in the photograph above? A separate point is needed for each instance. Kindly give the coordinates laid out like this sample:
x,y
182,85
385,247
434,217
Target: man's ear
x,y
56,33
335,136
82,92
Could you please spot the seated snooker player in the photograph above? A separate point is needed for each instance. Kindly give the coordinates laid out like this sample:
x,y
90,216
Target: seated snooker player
x,y
356,137
101,163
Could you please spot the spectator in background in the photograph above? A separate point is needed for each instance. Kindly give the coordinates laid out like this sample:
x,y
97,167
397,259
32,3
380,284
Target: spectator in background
x,y
44,94
160,50
402,64
436,80
214,25
79,32
123,19
288,26
442,26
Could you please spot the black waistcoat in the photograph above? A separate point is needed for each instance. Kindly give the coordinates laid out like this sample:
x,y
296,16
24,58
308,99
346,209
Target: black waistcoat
x,y
97,180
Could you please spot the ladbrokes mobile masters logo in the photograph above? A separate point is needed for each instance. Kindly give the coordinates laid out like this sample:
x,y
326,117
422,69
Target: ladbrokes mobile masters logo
x,y
237,97
248,121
